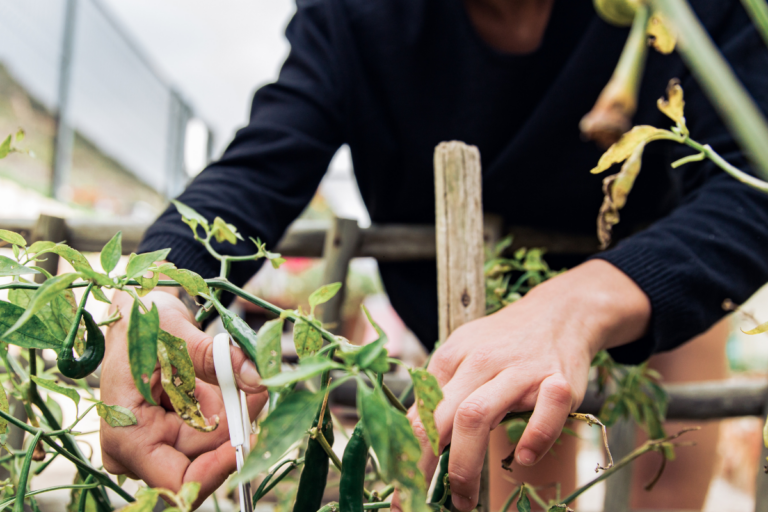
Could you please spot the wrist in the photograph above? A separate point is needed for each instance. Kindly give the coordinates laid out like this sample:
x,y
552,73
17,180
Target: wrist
x,y
603,306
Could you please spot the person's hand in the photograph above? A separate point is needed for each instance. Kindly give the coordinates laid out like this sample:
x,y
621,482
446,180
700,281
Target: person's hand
x,y
533,355
161,449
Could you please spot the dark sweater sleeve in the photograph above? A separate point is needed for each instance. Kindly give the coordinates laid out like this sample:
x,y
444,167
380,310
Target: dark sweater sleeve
x,y
714,246
272,168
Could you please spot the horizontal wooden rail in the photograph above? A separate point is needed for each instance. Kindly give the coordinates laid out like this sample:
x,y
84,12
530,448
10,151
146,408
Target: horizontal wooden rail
x,y
696,401
386,242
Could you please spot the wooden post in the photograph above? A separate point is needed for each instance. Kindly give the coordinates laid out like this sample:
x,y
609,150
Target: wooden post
x,y
53,229
341,243
459,233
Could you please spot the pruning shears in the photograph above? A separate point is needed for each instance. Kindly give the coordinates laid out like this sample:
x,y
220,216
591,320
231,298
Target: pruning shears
x,y
237,411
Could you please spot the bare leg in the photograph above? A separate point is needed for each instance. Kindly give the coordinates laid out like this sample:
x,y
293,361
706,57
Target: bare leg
x,y
685,481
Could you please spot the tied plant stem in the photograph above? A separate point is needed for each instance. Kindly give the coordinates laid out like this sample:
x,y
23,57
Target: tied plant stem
x,y
758,11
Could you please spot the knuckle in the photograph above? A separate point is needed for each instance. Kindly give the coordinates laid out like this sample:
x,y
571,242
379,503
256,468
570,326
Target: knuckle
x,y
541,433
461,478
201,352
559,390
472,414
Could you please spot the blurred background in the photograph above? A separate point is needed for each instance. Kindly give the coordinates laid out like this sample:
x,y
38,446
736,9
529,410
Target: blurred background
x,y
123,102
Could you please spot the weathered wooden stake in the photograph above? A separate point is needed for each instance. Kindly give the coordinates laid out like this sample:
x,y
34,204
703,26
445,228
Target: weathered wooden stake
x,y
459,232
341,243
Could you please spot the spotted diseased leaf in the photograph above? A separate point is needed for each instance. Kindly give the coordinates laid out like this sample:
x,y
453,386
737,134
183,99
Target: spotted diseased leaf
x,y
428,394
616,189
627,144
662,38
224,232
306,338
110,254
192,283
323,295
97,277
138,264
389,433
115,415
33,334
268,348
188,494
308,368
45,294
673,105
57,315
146,284
179,385
9,267
757,330
53,386
190,214
285,425
12,238
142,347
145,501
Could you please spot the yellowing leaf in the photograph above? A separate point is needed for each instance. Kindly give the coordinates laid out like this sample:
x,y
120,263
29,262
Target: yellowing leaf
x,y
306,338
616,189
622,149
180,386
673,107
268,348
224,232
663,39
428,394
758,330
192,283
617,12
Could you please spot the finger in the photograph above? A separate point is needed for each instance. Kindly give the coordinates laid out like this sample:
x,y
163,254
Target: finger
x,y
211,470
395,507
554,403
475,417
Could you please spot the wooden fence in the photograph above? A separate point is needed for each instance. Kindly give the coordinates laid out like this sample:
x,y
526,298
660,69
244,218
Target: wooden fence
x,y
340,240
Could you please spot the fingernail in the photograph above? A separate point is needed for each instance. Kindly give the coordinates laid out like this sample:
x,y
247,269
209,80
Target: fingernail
x,y
526,457
249,376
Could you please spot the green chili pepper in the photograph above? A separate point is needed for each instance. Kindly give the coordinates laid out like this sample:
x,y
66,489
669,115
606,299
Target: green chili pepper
x,y
74,368
440,487
353,472
315,473
239,329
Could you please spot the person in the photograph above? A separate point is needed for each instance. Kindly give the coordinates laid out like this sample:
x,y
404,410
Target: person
x,y
394,78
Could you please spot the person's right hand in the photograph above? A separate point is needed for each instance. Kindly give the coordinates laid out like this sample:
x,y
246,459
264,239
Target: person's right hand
x,y
161,449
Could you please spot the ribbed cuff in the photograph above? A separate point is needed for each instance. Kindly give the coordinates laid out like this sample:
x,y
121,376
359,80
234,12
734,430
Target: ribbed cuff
x,y
665,290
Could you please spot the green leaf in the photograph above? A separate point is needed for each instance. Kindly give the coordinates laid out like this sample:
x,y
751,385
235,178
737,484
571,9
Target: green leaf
x,y
389,433
45,294
98,294
306,338
142,347
225,232
562,507
269,353
5,147
51,385
515,429
5,408
370,352
188,213
303,372
74,497
97,277
40,246
110,254
115,415
20,134
57,316
145,501
12,238
74,257
428,394
523,503
9,267
323,295
138,264
146,284
177,376
284,426
190,281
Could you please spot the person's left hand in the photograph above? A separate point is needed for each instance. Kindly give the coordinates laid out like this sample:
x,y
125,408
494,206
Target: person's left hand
x,y
532,355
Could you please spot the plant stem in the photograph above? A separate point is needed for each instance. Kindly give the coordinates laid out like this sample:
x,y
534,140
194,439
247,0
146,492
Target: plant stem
x,y
509,501
393,399
738,110
18,506
84,495
69,341
273,480
318,435
758,11
81,464
736,173
8,501
334,506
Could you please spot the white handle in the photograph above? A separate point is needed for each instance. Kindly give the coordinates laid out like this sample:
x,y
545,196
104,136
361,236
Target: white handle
x,y
222,362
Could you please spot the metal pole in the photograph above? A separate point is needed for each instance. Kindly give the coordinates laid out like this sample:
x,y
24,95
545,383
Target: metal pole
x,y
64,137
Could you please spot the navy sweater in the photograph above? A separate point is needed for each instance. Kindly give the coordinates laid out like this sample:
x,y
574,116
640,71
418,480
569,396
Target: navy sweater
x,y
393,78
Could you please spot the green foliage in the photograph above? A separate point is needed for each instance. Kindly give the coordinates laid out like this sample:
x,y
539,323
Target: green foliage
x,y
32,334
110,254
115,415
143,332
269,354
428,395
53,386
306,338
322,295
